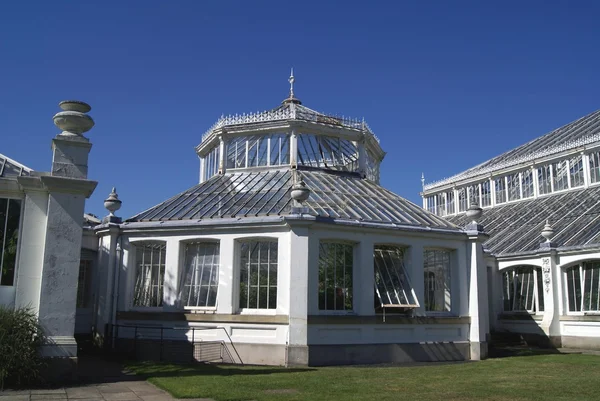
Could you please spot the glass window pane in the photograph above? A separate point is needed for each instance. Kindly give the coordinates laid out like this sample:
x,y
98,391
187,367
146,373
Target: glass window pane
x,y
335,276
392,285
514,187
595,167
527,183
437,282
500,184
576,171
10,216
150,272
201,274
544,184
486,194
258,274
559,172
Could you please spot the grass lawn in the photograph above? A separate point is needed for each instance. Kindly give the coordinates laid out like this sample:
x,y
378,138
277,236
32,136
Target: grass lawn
x,y
540,377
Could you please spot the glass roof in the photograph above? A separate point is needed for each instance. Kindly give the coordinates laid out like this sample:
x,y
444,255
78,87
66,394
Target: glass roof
x,y
516,227
11,168
334,195
581,132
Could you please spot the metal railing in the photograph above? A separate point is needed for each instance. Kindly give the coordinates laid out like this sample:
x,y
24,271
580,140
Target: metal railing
x,y
173,344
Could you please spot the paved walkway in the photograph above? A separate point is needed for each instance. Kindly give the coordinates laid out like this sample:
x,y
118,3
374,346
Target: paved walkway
x,y
124,391
98,380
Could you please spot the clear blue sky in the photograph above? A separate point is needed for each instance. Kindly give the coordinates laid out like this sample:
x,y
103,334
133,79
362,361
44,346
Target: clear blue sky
x,y
444,84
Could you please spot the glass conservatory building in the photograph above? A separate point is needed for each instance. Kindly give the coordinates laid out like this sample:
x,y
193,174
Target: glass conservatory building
x,y
546,290
288,251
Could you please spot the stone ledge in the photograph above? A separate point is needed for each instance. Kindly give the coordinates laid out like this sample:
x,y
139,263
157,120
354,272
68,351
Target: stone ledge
x,y
389,319
202,317
580,318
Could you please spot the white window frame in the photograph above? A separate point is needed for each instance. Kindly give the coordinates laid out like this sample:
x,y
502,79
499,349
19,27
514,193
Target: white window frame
x,y
579,266
449,272
136,247
536,291
238,262
393,274
352,269
184,248
19,239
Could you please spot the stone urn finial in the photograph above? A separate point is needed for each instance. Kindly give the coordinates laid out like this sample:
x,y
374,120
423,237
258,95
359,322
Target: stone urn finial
x,y
300,192
548,232
474,212
112,203
73,120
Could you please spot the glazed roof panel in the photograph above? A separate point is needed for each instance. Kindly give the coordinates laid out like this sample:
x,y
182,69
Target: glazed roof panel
x,y
340,196
583,131
11,168
516,227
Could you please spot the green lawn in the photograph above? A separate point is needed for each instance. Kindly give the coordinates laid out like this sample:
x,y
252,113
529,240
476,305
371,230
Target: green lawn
x,y
540,377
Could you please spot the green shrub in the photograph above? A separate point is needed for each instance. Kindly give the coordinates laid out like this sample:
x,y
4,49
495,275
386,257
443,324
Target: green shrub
x,y
20,338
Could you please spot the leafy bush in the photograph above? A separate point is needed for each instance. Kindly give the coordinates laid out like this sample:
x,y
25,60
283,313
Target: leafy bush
x,y
20,338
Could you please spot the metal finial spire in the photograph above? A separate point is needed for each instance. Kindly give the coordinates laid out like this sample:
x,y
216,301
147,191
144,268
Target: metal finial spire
x,y
291,80
423,181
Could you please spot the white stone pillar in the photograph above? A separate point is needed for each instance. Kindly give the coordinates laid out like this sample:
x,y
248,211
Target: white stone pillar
x,y
173,260
202,169
585,159
478,296
222,155
297,349
67,189
362,156
58,293
228,277
551,292
31,252
293,148
107,258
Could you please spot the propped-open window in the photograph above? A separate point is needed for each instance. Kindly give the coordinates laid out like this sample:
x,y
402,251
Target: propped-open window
x,y
392,283
201,276
149,274
522,289
583,287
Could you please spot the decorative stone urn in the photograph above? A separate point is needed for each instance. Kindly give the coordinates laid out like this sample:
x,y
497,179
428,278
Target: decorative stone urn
x,y
300,192
112,203
474,212
72,120
548,231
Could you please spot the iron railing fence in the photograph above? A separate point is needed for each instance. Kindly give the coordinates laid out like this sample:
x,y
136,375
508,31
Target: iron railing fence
x,y
173,344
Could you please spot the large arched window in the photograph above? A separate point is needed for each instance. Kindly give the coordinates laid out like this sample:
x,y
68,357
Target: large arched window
x,y
522,289
149,274
583,287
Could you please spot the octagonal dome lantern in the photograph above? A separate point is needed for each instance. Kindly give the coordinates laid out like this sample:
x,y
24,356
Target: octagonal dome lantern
x,y
293,135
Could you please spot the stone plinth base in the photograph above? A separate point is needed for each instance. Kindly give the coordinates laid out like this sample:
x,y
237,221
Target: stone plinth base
x,y
479,350
297,355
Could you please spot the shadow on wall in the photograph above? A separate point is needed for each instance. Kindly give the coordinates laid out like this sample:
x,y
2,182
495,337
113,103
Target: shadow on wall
x,y
322,355
520,334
